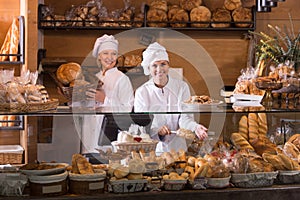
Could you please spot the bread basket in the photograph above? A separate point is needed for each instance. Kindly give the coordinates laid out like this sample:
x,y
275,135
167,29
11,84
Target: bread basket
x,y
127,186
135,146
174,185
251,180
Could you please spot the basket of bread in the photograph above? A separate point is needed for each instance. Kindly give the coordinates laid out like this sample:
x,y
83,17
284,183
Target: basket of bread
x,y
84,178
258,160
128,141
23,94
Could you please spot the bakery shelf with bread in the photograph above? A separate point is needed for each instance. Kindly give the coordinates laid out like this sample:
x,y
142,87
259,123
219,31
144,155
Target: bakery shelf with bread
x,y
13,48
190,15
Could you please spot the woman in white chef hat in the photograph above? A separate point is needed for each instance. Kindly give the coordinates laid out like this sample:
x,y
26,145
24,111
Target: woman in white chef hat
x,y
164,94
116,93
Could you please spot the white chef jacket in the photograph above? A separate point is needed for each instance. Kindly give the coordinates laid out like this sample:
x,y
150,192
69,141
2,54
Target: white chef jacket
x,y
150,98
119,97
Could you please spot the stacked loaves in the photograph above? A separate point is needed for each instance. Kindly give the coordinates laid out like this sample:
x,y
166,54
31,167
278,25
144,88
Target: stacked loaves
x,y
252,137
11,42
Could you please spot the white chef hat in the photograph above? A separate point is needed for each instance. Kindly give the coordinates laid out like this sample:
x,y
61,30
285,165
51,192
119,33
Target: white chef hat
x,y
154,52
106,42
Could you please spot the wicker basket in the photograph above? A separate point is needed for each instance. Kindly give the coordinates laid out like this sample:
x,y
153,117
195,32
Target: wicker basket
x,y
87,183
127,186
251,180
135,146
288,177
174,185
11,154
30,107
48,185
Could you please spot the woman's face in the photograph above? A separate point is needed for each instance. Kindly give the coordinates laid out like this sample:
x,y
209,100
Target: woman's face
x,y
159,69
108,59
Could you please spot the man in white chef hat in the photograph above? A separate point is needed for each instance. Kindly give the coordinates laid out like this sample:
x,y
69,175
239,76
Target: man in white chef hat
x,y
165,94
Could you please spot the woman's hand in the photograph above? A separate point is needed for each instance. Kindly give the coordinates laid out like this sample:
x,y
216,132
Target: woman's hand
x,y
201,132
97,95
163,131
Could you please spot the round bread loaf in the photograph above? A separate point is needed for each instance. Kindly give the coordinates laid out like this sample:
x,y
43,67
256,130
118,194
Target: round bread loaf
x,y
158,4
221,15
200,14
242,15
188,5
158,17
232,4
181,16
68,72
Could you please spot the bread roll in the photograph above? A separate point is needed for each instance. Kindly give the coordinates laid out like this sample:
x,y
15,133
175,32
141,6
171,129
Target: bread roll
x,y
132,60
157,18
136,166
132,176
121,172
68,72
241,14
232,4
240,142
243,127
221,15
200,14
188,5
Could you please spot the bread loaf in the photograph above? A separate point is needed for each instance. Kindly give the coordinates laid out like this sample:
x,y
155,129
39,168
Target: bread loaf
x,y
179,15
80,165
11,42
200,14
157,18
274,160
240,142
68,72
221,15
121,172
262,123
253,127
188,5
241,14
159,4
14,40
295,139
291,150
243,127
232,4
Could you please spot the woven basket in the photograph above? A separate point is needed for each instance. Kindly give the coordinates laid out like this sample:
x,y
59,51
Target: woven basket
x,y
11,154
127,186
174,185
30,107
135,146
251,180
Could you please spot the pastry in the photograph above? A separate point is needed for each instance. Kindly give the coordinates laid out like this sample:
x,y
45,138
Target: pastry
x,y
188,5
200,14
136,166
221,15
241,14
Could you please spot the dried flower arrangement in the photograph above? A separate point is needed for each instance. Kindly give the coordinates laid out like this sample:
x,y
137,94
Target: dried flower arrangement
x,y
282,48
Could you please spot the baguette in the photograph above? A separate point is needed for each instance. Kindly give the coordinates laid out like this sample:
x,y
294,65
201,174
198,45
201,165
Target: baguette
x,y
240,142
243,127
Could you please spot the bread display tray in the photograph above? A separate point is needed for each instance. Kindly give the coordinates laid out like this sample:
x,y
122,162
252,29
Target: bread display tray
x,y
127,186
135,146
251,180
30,107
